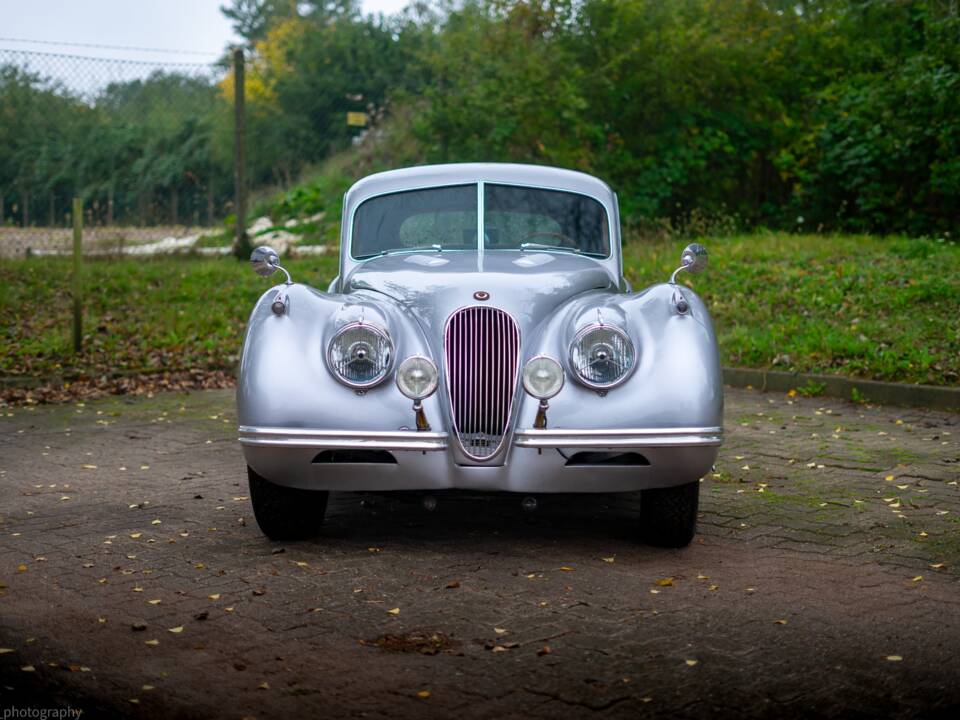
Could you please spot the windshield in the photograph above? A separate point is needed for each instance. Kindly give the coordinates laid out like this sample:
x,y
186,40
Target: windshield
x,y
447,218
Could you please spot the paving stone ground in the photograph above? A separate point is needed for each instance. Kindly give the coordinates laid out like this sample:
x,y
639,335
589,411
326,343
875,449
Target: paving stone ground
x,y
828,546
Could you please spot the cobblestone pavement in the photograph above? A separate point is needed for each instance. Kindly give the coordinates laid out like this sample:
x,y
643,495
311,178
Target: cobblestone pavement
x,y
823,582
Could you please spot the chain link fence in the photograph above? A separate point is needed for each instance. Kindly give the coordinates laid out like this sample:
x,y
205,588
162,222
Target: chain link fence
x,y
147,145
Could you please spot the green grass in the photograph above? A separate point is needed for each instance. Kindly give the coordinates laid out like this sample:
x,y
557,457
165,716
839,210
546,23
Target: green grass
x,y
859,306
880,308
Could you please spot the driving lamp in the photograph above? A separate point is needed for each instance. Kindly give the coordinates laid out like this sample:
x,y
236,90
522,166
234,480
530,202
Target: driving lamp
x,y
602,356
543,379
417,377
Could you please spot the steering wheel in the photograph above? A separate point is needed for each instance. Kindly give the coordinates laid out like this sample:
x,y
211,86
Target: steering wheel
x,y
558,238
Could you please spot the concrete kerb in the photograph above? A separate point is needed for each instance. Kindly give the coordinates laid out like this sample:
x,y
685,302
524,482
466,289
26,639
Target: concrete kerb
x,y
882,393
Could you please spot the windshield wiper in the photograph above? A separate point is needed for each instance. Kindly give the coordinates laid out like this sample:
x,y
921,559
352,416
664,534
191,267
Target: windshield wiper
x,y
400,251
543,246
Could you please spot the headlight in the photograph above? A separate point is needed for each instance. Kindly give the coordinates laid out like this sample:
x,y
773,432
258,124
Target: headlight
x,y
602,356
542,377
417,377
360,355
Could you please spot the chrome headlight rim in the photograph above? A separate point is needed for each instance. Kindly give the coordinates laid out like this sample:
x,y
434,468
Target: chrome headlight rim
x,y
523,377
614,329
376,329
433,386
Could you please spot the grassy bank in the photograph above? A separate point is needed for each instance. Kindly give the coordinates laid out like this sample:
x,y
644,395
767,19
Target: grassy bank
x,y
879,308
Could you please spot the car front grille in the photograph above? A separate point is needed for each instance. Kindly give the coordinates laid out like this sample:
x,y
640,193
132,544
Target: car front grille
x,y
482,351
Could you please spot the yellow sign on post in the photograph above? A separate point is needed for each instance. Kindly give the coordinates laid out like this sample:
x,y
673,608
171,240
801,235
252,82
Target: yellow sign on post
x,y
357,119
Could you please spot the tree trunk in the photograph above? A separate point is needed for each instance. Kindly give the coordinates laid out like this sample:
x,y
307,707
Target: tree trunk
x,y
26,210
110,207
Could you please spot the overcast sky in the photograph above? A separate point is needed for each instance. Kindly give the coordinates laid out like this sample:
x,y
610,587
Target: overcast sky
x,y
194,25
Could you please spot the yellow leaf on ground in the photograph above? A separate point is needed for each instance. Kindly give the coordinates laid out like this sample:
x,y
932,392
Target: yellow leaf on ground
x,y
135,535
263,686
21,568
938,566
423,694
608,559
151,642
894,658
89,467
918,578
215,596
500,631
4,651
566,568
28,668
394,611
176,630
889,478
665,582
691,663
154,602
779,622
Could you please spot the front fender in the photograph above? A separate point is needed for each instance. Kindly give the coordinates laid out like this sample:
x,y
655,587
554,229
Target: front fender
x,y
284,379
677,381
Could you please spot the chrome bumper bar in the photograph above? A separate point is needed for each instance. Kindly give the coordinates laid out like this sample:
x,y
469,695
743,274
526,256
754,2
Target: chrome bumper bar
x,y
343,439
625,438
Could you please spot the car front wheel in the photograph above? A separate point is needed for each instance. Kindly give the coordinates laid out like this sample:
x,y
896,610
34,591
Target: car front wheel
x,y
669,515
285,513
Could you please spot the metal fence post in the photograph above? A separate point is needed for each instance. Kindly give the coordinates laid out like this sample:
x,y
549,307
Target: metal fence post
x,y
77,280
241,243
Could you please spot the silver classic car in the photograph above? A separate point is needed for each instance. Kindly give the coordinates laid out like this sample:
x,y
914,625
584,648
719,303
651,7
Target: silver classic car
x,y
480,335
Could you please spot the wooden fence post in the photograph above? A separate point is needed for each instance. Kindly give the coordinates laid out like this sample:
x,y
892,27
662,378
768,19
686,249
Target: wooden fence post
x,y
77,279
241,243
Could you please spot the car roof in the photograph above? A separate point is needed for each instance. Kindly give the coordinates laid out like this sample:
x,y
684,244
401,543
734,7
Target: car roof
x,y
464,173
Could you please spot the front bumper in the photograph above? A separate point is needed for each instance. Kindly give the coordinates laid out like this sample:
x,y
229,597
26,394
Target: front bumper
x,y
538,461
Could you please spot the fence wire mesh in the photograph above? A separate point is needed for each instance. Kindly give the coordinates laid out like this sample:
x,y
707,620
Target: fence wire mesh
x,y
146,144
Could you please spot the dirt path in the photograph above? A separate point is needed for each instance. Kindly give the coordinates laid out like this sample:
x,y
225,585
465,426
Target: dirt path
x,y
829,546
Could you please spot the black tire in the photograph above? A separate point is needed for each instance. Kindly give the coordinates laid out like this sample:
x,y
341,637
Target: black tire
x,y
669,515
285,513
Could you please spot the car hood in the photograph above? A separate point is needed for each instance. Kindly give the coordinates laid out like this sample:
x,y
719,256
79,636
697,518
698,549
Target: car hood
x,y
530,286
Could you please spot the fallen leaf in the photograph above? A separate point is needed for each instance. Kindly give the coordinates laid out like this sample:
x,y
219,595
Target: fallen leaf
x,y
691,663
609,559
452,585
423,694
566,569
500,631
714,588
156,522
147,688
263,686
779,622
135,536
5,651
938,566
394,611
21,568
665,582
156,601
89,467
545,650
894,658
28,668
215,596
889,478
176,630
151,642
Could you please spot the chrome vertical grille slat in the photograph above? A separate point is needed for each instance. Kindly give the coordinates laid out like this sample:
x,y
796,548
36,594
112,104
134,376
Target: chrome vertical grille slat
x,y
482,353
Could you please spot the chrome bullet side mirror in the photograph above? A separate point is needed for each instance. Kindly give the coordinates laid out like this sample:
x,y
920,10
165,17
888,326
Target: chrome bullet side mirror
x,y
266,262
693,259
